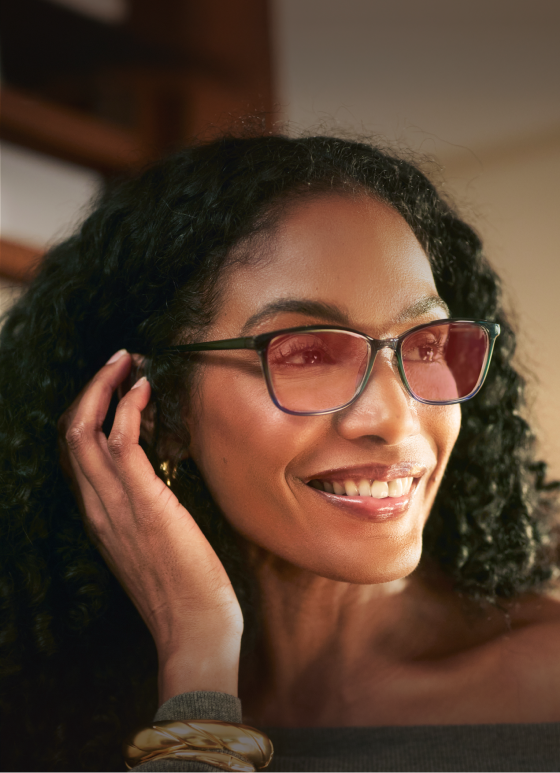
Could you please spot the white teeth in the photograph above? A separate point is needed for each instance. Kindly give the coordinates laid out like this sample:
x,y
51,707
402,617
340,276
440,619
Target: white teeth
x,y
364,488
351,488
406,485
379,489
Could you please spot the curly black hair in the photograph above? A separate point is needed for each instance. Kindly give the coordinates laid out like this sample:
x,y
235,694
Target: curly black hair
x,y
143,272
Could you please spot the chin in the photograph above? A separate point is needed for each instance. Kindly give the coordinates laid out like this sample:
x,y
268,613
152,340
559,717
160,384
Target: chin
x,y
371,562
377,569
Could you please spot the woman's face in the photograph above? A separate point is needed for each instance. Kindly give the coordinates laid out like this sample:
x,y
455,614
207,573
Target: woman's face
x,y
360,259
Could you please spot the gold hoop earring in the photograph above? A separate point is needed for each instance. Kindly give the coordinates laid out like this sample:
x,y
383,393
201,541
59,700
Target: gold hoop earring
x,y
168,471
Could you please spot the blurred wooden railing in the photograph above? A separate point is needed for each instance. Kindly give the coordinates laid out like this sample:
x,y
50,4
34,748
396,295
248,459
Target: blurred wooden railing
x,y
223,73
68,134
18,261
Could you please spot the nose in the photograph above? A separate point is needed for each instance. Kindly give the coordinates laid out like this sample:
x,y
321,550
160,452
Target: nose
x,y
384,410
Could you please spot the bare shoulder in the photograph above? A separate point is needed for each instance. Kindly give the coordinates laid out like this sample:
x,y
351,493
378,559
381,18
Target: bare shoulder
x,y
532,647
533,610
505,668
529,633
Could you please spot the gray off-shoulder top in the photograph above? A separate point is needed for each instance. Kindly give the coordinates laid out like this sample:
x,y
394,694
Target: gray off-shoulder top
x,y
420,748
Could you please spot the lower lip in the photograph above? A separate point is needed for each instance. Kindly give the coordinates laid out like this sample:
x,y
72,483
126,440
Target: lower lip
x,y
369,508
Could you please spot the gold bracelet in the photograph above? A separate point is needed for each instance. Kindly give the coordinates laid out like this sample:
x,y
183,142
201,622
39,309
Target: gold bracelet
x,y
200,740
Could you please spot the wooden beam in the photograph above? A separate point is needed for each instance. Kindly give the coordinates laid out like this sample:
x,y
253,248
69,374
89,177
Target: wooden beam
x,y
18,261
230,46
229,75
67,134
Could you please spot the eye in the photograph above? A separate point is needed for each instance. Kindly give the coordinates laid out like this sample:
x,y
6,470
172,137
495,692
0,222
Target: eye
x,y
305,357
300,351
424,347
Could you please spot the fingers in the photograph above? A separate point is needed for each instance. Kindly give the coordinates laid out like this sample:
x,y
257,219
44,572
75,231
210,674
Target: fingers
x,y
135,471
112,473
123,439
89,455
136,370
87,413
76,421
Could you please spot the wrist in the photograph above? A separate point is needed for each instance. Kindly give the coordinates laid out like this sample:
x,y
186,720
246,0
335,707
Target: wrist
x,y
212,667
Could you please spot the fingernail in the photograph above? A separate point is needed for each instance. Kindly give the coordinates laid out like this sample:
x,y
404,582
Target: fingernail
x,y
116,356
139,382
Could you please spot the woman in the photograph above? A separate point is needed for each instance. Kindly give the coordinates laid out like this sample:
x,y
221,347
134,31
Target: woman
x,y
344,494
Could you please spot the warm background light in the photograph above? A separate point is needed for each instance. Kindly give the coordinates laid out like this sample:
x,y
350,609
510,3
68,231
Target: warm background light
x,y
472,87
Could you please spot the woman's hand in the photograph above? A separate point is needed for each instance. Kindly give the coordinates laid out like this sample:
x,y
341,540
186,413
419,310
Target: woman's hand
x,y
148,539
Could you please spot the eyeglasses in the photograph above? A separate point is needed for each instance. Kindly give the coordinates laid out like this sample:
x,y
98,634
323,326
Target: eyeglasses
x,y
324,368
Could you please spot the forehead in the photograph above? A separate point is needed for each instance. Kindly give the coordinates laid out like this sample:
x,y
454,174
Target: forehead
x,y
357,254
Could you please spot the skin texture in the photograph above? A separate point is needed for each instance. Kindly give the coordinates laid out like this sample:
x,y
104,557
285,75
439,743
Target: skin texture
x,y
341,625
148,540
351,634
256,458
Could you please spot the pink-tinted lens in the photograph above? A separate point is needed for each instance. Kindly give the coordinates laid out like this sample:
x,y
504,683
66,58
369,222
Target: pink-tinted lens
x,y
316,371
445,362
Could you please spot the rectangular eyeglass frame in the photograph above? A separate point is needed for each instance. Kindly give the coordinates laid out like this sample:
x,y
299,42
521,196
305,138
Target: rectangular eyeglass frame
x,y
260,344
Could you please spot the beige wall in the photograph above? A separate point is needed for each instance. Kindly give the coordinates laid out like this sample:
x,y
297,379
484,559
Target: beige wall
x,y
513,198
41,200
475,86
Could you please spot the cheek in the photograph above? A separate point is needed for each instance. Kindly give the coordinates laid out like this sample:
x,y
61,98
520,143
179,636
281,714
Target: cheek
x,y
249,454
243,444
442,427
450,426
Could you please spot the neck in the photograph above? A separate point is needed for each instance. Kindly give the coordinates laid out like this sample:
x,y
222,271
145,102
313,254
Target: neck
x,y
319,636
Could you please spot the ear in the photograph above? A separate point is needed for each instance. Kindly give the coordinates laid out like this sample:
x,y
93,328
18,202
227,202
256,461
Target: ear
x,y
171,448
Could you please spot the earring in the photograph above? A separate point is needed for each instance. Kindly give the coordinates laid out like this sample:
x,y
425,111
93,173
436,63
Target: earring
x,y
169,471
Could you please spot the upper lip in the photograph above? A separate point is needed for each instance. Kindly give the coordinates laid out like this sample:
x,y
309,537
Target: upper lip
x,y
384,472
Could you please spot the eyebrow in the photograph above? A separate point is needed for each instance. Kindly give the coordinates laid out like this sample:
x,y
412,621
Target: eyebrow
x,y
326,311
423,306
331,313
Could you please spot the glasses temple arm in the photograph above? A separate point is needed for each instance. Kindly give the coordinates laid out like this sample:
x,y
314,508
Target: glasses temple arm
x,y
206,346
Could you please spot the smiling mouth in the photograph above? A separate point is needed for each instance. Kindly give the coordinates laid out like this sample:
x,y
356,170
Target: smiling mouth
x,y
369,499
362,487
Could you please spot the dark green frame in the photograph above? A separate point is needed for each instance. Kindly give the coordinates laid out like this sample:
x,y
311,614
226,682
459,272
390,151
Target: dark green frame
x,y
261,342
